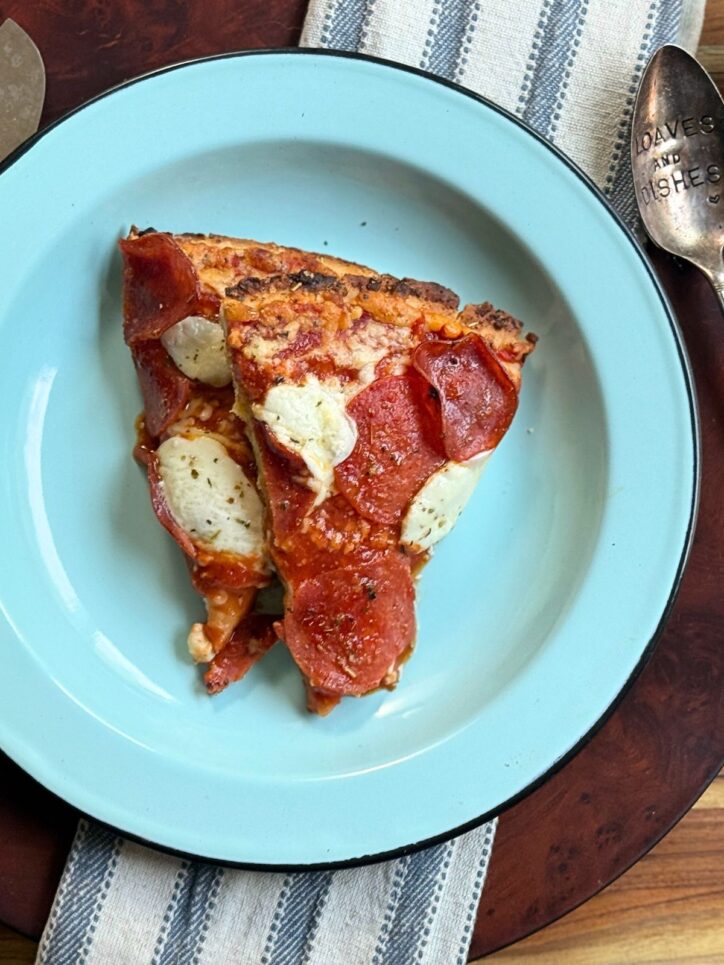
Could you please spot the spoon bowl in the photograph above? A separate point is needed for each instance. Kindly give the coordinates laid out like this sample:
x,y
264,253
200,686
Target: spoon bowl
x,y
677,155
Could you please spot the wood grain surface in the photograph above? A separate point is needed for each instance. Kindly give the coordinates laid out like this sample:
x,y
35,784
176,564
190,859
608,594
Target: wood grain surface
x,y
669,908
637,775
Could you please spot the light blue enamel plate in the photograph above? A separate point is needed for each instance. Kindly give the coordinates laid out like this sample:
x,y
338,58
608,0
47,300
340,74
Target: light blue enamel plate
x,y
533,615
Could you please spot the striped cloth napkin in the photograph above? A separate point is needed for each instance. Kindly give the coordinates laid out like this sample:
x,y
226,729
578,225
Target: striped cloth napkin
x,y
569,68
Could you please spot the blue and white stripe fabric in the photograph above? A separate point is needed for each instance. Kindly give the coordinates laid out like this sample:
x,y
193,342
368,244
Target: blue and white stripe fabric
x,y
570,69
120,903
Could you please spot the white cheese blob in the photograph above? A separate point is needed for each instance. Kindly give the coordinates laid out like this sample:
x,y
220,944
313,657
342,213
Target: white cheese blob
x,y
197,346
436,507
210,497
199,644
310,420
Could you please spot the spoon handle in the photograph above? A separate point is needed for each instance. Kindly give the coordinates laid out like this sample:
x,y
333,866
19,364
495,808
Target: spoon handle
x,y
720,295
717,283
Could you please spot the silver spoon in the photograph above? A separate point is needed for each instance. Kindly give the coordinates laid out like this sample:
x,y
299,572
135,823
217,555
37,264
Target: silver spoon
x,y
677,154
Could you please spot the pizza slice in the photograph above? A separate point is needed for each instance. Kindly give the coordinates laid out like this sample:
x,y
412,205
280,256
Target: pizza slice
x,y
201,472
372,405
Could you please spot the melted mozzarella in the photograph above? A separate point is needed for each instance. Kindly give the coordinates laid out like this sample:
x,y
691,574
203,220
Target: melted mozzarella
x,y
210,497
197,346
199,644
436,507
310,420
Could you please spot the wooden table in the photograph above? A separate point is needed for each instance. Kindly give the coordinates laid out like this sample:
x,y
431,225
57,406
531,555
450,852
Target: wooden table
x,y
644,769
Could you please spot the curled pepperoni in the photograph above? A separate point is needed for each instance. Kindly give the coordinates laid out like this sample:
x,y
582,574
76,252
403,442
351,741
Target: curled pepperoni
x,y
346,628
165,390
477,399
396,448
289,501
160,286
250,641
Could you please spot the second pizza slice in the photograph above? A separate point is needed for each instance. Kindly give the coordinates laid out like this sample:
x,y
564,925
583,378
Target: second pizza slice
x,y
373,406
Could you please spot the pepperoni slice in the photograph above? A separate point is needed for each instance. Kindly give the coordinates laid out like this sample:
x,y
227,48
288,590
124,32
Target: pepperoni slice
x,y
225,571
165,390
250,641
320,703
160,287
396,449
288,501
477,399
346,628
